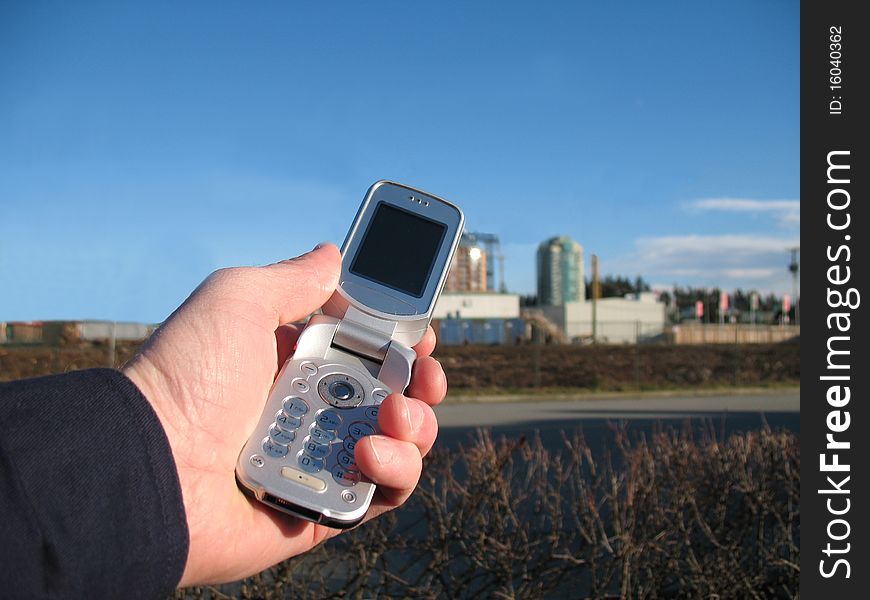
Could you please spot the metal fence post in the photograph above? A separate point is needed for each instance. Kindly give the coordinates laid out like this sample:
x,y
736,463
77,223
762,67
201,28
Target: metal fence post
x,y
637,354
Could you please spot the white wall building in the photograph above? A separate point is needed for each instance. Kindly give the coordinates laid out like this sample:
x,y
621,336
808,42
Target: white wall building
x,y
619,320
477,306
486,318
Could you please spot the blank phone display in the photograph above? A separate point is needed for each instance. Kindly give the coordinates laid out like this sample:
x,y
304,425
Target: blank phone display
x,y
399,249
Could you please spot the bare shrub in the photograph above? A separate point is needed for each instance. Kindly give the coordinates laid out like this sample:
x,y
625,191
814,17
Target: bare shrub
x,y
673,514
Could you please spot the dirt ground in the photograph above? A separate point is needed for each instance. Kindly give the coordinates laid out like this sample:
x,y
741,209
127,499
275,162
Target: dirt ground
x,y
620,367
493,369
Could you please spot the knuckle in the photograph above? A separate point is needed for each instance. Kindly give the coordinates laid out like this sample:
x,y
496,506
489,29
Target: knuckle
x,y
231,277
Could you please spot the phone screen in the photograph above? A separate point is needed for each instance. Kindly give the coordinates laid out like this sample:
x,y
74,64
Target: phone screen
x,y
399,249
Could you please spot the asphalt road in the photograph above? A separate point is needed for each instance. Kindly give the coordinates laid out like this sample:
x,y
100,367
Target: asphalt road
x,y
738,411
493,414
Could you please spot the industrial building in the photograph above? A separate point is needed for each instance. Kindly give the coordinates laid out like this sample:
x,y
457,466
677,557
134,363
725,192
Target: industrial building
x,y
468,269
482,318
562,303
474,265
560,272
627,320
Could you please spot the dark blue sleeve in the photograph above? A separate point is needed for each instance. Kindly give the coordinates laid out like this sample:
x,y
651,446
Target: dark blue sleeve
x,y
90,503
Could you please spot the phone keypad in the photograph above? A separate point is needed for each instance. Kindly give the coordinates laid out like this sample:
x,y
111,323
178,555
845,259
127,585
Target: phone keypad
x,y
346,460
332,431
360,429
345,476
295,406
286,422
281,436
316,449
329,419
274,449
310,463
321,435
308,369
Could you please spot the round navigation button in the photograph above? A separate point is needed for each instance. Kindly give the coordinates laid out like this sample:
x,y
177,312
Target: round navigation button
x,y
341,391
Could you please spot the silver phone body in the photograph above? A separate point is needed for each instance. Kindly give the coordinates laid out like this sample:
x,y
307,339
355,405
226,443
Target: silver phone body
x,y
347,360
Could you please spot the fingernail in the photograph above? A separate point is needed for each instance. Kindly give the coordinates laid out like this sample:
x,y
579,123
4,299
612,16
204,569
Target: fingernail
x,y
321,245
414,414
381,449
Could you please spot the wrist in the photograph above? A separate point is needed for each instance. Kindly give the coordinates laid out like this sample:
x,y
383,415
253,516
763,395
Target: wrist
x,y
153,386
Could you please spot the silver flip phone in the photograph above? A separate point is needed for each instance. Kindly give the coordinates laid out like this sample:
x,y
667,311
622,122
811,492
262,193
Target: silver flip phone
x,y
300,458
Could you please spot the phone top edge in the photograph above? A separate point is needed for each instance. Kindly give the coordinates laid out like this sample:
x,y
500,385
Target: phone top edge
x,y
410,310
380,182
370,194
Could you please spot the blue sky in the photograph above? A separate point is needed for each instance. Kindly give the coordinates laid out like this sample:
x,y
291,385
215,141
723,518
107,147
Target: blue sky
x,y
142,147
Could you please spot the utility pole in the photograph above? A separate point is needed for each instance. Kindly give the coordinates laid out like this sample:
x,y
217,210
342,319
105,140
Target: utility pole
x,y
596,291
753,306
502,288
795,268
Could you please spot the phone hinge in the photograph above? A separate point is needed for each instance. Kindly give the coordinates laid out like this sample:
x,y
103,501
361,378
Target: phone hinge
x,y
364,335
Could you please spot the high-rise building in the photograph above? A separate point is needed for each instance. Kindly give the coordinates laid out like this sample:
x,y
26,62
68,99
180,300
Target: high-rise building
x,y
469,267
560,271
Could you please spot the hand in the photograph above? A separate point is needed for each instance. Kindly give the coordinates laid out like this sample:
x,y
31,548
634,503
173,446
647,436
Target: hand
x,y
207,372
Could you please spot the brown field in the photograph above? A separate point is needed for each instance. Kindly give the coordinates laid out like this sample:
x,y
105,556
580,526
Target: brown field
x,y
613,368
497,369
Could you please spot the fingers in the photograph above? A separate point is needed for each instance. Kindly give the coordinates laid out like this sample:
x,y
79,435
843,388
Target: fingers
x,y
394,460
297,287
409,420
426,344
428,382
394,465
286,337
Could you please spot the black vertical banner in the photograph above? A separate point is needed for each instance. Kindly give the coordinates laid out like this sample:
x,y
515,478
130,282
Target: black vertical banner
x,y
835,419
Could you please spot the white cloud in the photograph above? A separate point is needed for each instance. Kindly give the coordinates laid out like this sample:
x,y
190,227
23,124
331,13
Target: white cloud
x,y
730,261
787,212
734,245
759,273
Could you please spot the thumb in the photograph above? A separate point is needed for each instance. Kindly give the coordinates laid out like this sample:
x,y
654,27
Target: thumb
x,y
297,287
